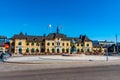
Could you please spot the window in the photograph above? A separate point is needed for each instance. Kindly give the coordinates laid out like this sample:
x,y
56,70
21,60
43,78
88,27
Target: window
x,y
63,44
48,50
32,44
87,44
20,43
42,50
52,44
53,50
37,44
67,44
37,50
82,50
32,50
77,44
82,44
42,44
58,43
27,43
27,50
78,50
63,50
48,44
58,50
67,50
20,50
88,50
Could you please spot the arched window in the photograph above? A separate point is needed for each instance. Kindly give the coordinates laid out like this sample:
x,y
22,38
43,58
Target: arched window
x,y
53,50
48,44
27,50
88,50
42,50
32,44
87,44
78,50
27,43
63,50
52,44
58,50
32,50
67,50
67,44
63,44
37,44
20,50
48,50
82,50
20,43
37,50
82,44
42,44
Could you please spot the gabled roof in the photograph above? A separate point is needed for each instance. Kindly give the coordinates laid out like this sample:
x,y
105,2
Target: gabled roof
x,y
84,38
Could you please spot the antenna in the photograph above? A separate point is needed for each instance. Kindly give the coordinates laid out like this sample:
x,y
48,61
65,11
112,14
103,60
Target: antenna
x,y
116,43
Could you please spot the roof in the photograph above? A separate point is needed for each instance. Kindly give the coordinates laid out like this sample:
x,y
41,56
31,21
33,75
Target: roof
x,y
50,36
34,38
29,38
84,38
98,46
56,35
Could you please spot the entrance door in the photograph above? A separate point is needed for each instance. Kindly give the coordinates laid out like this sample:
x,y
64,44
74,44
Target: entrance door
x,y
20,50
58,50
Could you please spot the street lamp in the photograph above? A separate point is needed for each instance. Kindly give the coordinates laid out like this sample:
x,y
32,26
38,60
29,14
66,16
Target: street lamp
x,y
106,52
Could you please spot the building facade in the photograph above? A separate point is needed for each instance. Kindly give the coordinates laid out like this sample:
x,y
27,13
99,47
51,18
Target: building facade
x,y
4,45
53,43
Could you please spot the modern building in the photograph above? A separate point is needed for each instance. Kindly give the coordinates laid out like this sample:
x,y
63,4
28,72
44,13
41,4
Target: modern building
x,y
53,43
3,44
101,46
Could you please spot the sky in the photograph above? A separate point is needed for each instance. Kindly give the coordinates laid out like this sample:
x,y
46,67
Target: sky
x,y
98,19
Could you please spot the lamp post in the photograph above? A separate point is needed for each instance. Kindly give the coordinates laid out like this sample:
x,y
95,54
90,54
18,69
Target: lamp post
x,y
106,52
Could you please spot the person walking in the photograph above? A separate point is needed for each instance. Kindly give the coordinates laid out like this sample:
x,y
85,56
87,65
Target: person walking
x,y
2,57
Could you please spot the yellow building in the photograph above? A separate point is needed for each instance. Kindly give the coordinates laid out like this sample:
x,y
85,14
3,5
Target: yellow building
x,y
99,49
53,43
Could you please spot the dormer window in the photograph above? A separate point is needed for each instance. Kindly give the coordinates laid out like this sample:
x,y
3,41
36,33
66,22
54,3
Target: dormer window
x,y
34,39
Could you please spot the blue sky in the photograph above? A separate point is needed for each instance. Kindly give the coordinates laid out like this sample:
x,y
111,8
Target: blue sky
x,y
99,19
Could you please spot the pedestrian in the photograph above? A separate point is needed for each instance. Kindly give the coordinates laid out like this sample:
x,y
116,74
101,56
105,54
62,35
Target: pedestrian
x,y
2,57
